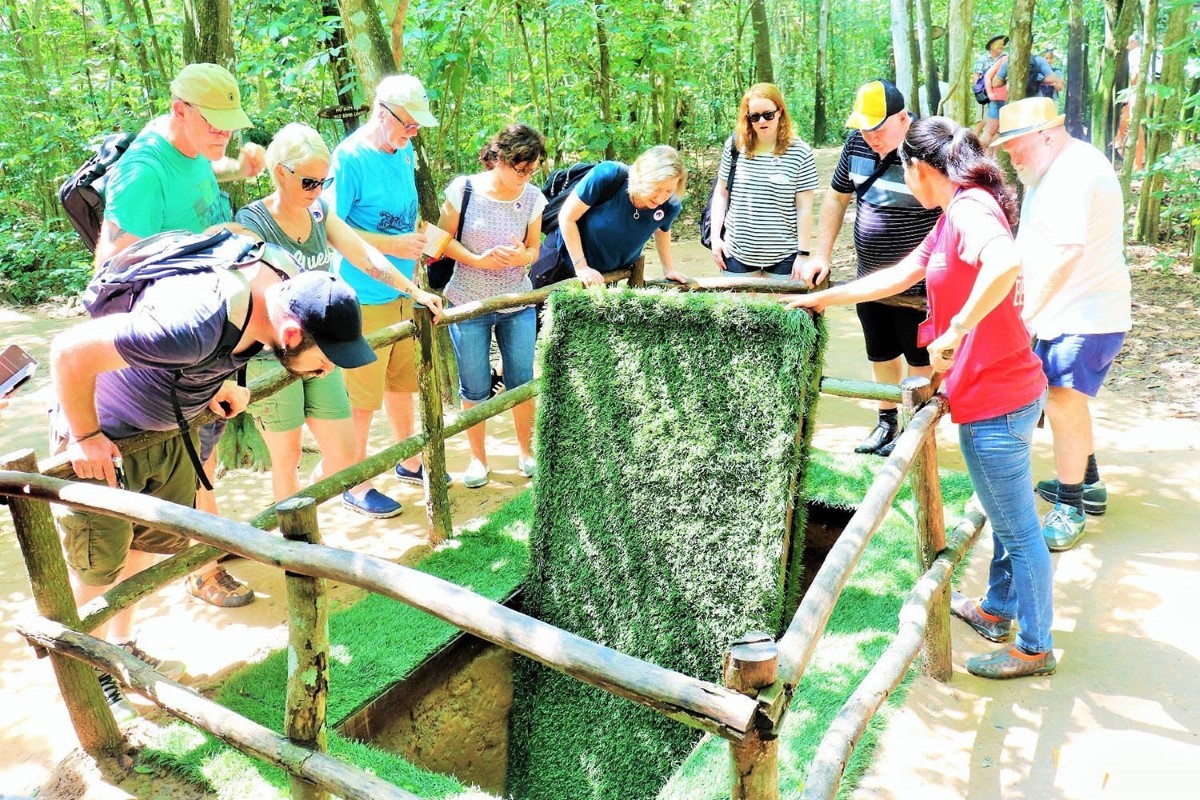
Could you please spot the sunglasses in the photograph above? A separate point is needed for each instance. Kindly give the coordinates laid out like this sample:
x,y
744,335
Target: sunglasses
x,y
308,184
767,115
407,125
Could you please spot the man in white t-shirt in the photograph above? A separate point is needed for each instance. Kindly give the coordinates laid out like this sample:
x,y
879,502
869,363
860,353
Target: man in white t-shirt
x,y
1077,294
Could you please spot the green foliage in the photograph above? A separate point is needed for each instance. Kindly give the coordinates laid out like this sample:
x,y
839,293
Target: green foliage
x,y
39,263
667,451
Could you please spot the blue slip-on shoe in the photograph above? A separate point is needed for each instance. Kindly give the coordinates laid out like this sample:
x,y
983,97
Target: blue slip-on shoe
x,y
416,476
374,504
1063,527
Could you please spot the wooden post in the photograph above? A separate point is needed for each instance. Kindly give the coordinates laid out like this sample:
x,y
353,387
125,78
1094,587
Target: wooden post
x,y
637,273
93,720
437,502
308,645
752,663
931,530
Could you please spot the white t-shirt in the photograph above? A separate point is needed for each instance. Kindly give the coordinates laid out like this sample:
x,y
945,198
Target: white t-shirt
x,y
1077,202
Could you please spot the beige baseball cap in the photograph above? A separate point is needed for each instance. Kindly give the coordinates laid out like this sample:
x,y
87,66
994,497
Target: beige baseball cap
x,y
212,89
408,93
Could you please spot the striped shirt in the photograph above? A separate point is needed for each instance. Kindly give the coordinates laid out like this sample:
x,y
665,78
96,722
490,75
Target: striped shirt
x,y
761,222
889,222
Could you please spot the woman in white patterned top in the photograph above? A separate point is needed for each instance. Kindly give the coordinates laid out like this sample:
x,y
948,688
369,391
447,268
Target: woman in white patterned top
x,y
762,223
500,238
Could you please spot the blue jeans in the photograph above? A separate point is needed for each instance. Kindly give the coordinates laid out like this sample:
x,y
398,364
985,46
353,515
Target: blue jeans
x,y
516,334
997,452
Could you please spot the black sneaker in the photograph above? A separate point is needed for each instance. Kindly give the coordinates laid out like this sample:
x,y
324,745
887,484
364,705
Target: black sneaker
x,y
884,433
118,703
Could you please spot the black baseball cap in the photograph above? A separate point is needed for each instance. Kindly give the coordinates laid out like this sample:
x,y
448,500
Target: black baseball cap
x,y
326,307
993,40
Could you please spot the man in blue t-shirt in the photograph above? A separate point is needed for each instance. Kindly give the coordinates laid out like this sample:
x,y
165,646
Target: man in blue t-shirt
x,y
113,377
375,191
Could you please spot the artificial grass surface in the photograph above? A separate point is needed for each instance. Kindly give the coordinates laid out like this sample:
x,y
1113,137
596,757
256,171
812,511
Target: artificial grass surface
x,y
668,450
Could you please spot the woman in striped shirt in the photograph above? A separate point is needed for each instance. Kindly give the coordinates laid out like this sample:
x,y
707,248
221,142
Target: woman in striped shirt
x,y
762,223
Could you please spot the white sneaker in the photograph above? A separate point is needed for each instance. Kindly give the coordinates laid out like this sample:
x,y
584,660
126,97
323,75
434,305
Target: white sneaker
x,y
476,475
172,670
528,466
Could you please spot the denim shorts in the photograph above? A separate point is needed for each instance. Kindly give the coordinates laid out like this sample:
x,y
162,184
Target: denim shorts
x,y
993,109
1079,361
516,335
782,268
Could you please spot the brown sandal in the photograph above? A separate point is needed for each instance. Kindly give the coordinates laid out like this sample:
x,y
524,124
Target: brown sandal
x,y
220,589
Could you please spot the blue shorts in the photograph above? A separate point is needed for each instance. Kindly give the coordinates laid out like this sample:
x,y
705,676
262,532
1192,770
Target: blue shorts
x,y
993,109
1079,361
782,268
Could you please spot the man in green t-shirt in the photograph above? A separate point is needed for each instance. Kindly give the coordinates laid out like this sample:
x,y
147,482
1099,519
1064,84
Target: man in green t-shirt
x,y
168,180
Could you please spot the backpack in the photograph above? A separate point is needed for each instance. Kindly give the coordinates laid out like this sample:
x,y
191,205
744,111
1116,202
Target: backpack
x,y
555,189
82,194
706,214
979,89
438,272
1033,84
123,279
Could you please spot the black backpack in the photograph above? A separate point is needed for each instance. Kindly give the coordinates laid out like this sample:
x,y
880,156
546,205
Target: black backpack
x,y
122,279
82,194
706,214
556,187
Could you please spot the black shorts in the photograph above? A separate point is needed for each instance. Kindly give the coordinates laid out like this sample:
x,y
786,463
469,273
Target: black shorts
x,y
891,332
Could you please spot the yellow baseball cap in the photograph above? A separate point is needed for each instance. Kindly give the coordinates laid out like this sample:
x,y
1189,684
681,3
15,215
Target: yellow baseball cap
x,y
874,103
212,89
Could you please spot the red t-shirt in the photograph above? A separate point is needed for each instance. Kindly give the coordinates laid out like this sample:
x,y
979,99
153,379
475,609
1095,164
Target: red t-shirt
x,y
995,370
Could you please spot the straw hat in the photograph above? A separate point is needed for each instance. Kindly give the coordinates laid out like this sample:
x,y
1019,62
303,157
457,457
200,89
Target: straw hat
x,y
1027,116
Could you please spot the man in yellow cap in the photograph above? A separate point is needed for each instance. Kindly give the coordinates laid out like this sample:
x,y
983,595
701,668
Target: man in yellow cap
x,y
168,180
888,225
1077,294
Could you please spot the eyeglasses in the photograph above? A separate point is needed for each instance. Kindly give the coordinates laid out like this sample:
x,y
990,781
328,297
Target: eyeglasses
x,y
767,115
526,170
308,184
414,125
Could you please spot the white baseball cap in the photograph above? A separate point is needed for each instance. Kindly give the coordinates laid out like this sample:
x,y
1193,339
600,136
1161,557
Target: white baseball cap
x,y
408,93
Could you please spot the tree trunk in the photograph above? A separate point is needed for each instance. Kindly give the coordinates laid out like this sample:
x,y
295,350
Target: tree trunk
x,y
820,124
914,58
1119,15
398,33
933,93
902,34
1149,50
164,69
1020,45
1075,62
208,33
764,71
604,80
533,87
339,65
960,104
140,46
1159,140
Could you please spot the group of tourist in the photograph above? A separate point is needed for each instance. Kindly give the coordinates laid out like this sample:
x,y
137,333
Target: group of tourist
x,y
933,214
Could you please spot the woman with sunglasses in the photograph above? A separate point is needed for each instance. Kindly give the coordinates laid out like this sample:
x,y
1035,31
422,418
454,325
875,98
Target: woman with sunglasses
x,y
500,236
994,382
296,218
762,223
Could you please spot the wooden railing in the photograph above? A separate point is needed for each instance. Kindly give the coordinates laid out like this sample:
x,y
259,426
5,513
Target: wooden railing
x,y
761,675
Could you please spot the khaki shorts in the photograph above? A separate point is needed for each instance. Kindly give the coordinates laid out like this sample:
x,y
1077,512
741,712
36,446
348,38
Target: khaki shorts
x,y
97,545
396,368
307,398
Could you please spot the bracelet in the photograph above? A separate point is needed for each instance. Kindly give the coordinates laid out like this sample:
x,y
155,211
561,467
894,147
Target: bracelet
x,y
804,253
87,436
578,261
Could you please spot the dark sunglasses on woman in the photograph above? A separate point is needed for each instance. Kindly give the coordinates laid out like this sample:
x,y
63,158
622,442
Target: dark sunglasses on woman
x,y
767,115
308,184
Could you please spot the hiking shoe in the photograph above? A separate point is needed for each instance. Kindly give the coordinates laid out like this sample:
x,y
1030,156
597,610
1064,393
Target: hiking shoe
x,y
373,504
1062,527
884,433
220,589
416,476
122,710
970,611
886,450
528,466
1011,662
476,475
1095,495
172,670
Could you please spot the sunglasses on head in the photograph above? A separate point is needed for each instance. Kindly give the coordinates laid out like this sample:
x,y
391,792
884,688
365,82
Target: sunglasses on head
x,y
767,115
308,184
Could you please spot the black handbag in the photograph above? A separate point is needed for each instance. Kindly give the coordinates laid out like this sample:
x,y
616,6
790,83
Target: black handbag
x,y
439,272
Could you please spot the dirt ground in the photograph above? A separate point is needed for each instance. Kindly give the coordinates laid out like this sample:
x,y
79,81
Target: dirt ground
x,y
1120,719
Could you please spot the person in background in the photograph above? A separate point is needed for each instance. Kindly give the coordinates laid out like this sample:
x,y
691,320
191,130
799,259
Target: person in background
x,y
992,51
766,214
888,224
994,382
501,234
1053,84
610,215
296,218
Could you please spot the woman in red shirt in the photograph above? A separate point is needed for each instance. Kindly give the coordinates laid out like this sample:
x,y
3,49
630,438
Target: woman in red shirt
x,y
994,382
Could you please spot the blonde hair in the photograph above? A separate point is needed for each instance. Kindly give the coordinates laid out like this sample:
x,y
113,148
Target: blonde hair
x,y
295,142
654,167
747,139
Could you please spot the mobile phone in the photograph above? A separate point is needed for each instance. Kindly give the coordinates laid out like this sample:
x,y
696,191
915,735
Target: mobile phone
x,y
16,367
